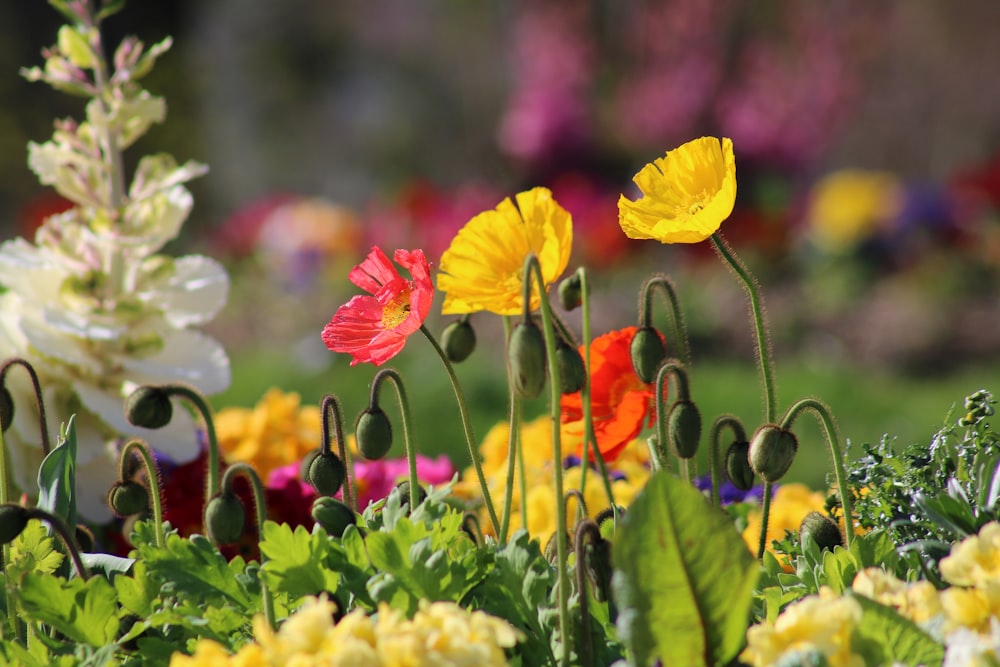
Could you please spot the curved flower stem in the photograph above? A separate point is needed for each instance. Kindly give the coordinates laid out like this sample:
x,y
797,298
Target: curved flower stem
x,y
646,309
513,444
152,474
42,422
757,308
463,411
765,515
260,506
822,413
65,534
590,437
331,410
532,268
201,405
586,528
470,524
675,368
404,409
715,456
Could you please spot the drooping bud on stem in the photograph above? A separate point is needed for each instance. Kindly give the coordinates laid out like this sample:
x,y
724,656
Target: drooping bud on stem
x,y
648,352
128,497
7,401
772,450
333,515
526,351
823,530
149,407
572,372
738,466
684,428
225,518
570,292
458,340
374,433
403,489
326,473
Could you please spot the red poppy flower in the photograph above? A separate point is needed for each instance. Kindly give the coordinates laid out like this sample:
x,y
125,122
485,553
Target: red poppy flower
x,y
622,404
374,328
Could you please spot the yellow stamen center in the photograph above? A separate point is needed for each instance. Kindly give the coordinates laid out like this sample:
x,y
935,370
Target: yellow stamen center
x,y
397,310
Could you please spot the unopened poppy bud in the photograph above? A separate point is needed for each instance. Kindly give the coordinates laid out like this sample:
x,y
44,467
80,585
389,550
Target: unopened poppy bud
x,y
374,433
527,359
458,340
6,409
570,292
225,518
128,498
572,373
738,466
403,488
648,352
822,529
684,428
306,464
149,407
13,519
333,515
772,450
327,473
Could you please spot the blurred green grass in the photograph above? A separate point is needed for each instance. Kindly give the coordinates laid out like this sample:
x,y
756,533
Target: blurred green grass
x,y
866,405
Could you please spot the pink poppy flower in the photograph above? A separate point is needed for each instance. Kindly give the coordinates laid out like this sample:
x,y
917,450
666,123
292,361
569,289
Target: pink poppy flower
x,y
374,328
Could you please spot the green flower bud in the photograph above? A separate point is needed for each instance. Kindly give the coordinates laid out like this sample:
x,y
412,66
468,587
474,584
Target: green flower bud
x,y
822,529
374,433
527,359
648,352
128,498
149,407
13,519
327,473
458,340
6,409
572,372
570,292
403,488
684,428
333,515
738,466
772,450
306,464
225,518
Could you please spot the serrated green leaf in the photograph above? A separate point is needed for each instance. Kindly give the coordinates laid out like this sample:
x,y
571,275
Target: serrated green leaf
x,y
898,639
57,476
839,567
295,561
196,570
136,593
683,578
86,612
33,551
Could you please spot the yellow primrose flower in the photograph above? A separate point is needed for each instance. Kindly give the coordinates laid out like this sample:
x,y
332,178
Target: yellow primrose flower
x,y
276,432
975,561
822,623
687,194
915,600
481,269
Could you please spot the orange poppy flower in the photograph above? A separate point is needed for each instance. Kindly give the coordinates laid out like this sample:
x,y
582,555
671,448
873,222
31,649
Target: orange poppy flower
x,y
622,404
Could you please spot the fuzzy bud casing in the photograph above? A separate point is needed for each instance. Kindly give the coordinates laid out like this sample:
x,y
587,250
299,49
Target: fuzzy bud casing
x,y
772,450
374,433
403,488
333,515
149,407
572,373
527,359
648,352
738,466
128,498
225,518
327,473
13,520
684,428
823,530
570,293
458,340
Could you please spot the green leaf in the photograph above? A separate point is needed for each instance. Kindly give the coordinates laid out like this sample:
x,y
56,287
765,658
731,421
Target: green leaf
x,y
57,477
295,561
33,551
106,564
137,592
194,569
86,612
683,578
888,638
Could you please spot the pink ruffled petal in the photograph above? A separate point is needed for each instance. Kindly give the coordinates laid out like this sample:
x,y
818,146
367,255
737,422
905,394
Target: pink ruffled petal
x,y
373,272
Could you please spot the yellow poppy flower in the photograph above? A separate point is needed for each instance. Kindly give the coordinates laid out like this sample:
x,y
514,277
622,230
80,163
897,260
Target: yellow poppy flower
x,y
686,194
482,268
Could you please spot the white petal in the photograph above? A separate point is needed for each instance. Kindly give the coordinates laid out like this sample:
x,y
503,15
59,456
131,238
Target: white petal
x,y
187,356
193,294
30,271
57,345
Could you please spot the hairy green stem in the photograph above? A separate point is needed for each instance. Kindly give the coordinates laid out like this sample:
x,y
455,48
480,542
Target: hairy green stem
x,y
260,507
201,405
407,419
765,515
586,528
757,309
332,412
825,418
664,284
142,449
43,425
513,437
715,456
470,439
668,368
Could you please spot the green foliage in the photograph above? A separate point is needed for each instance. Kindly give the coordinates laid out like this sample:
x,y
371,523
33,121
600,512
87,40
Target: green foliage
x,y
85,612
57,477
886,638
33,551
683,578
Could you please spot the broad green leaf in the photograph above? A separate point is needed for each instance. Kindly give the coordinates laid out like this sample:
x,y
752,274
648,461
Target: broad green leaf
x,y
683,578
194,569
86,612
889,639
840,567
33,551
57,477
295,561
137,592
